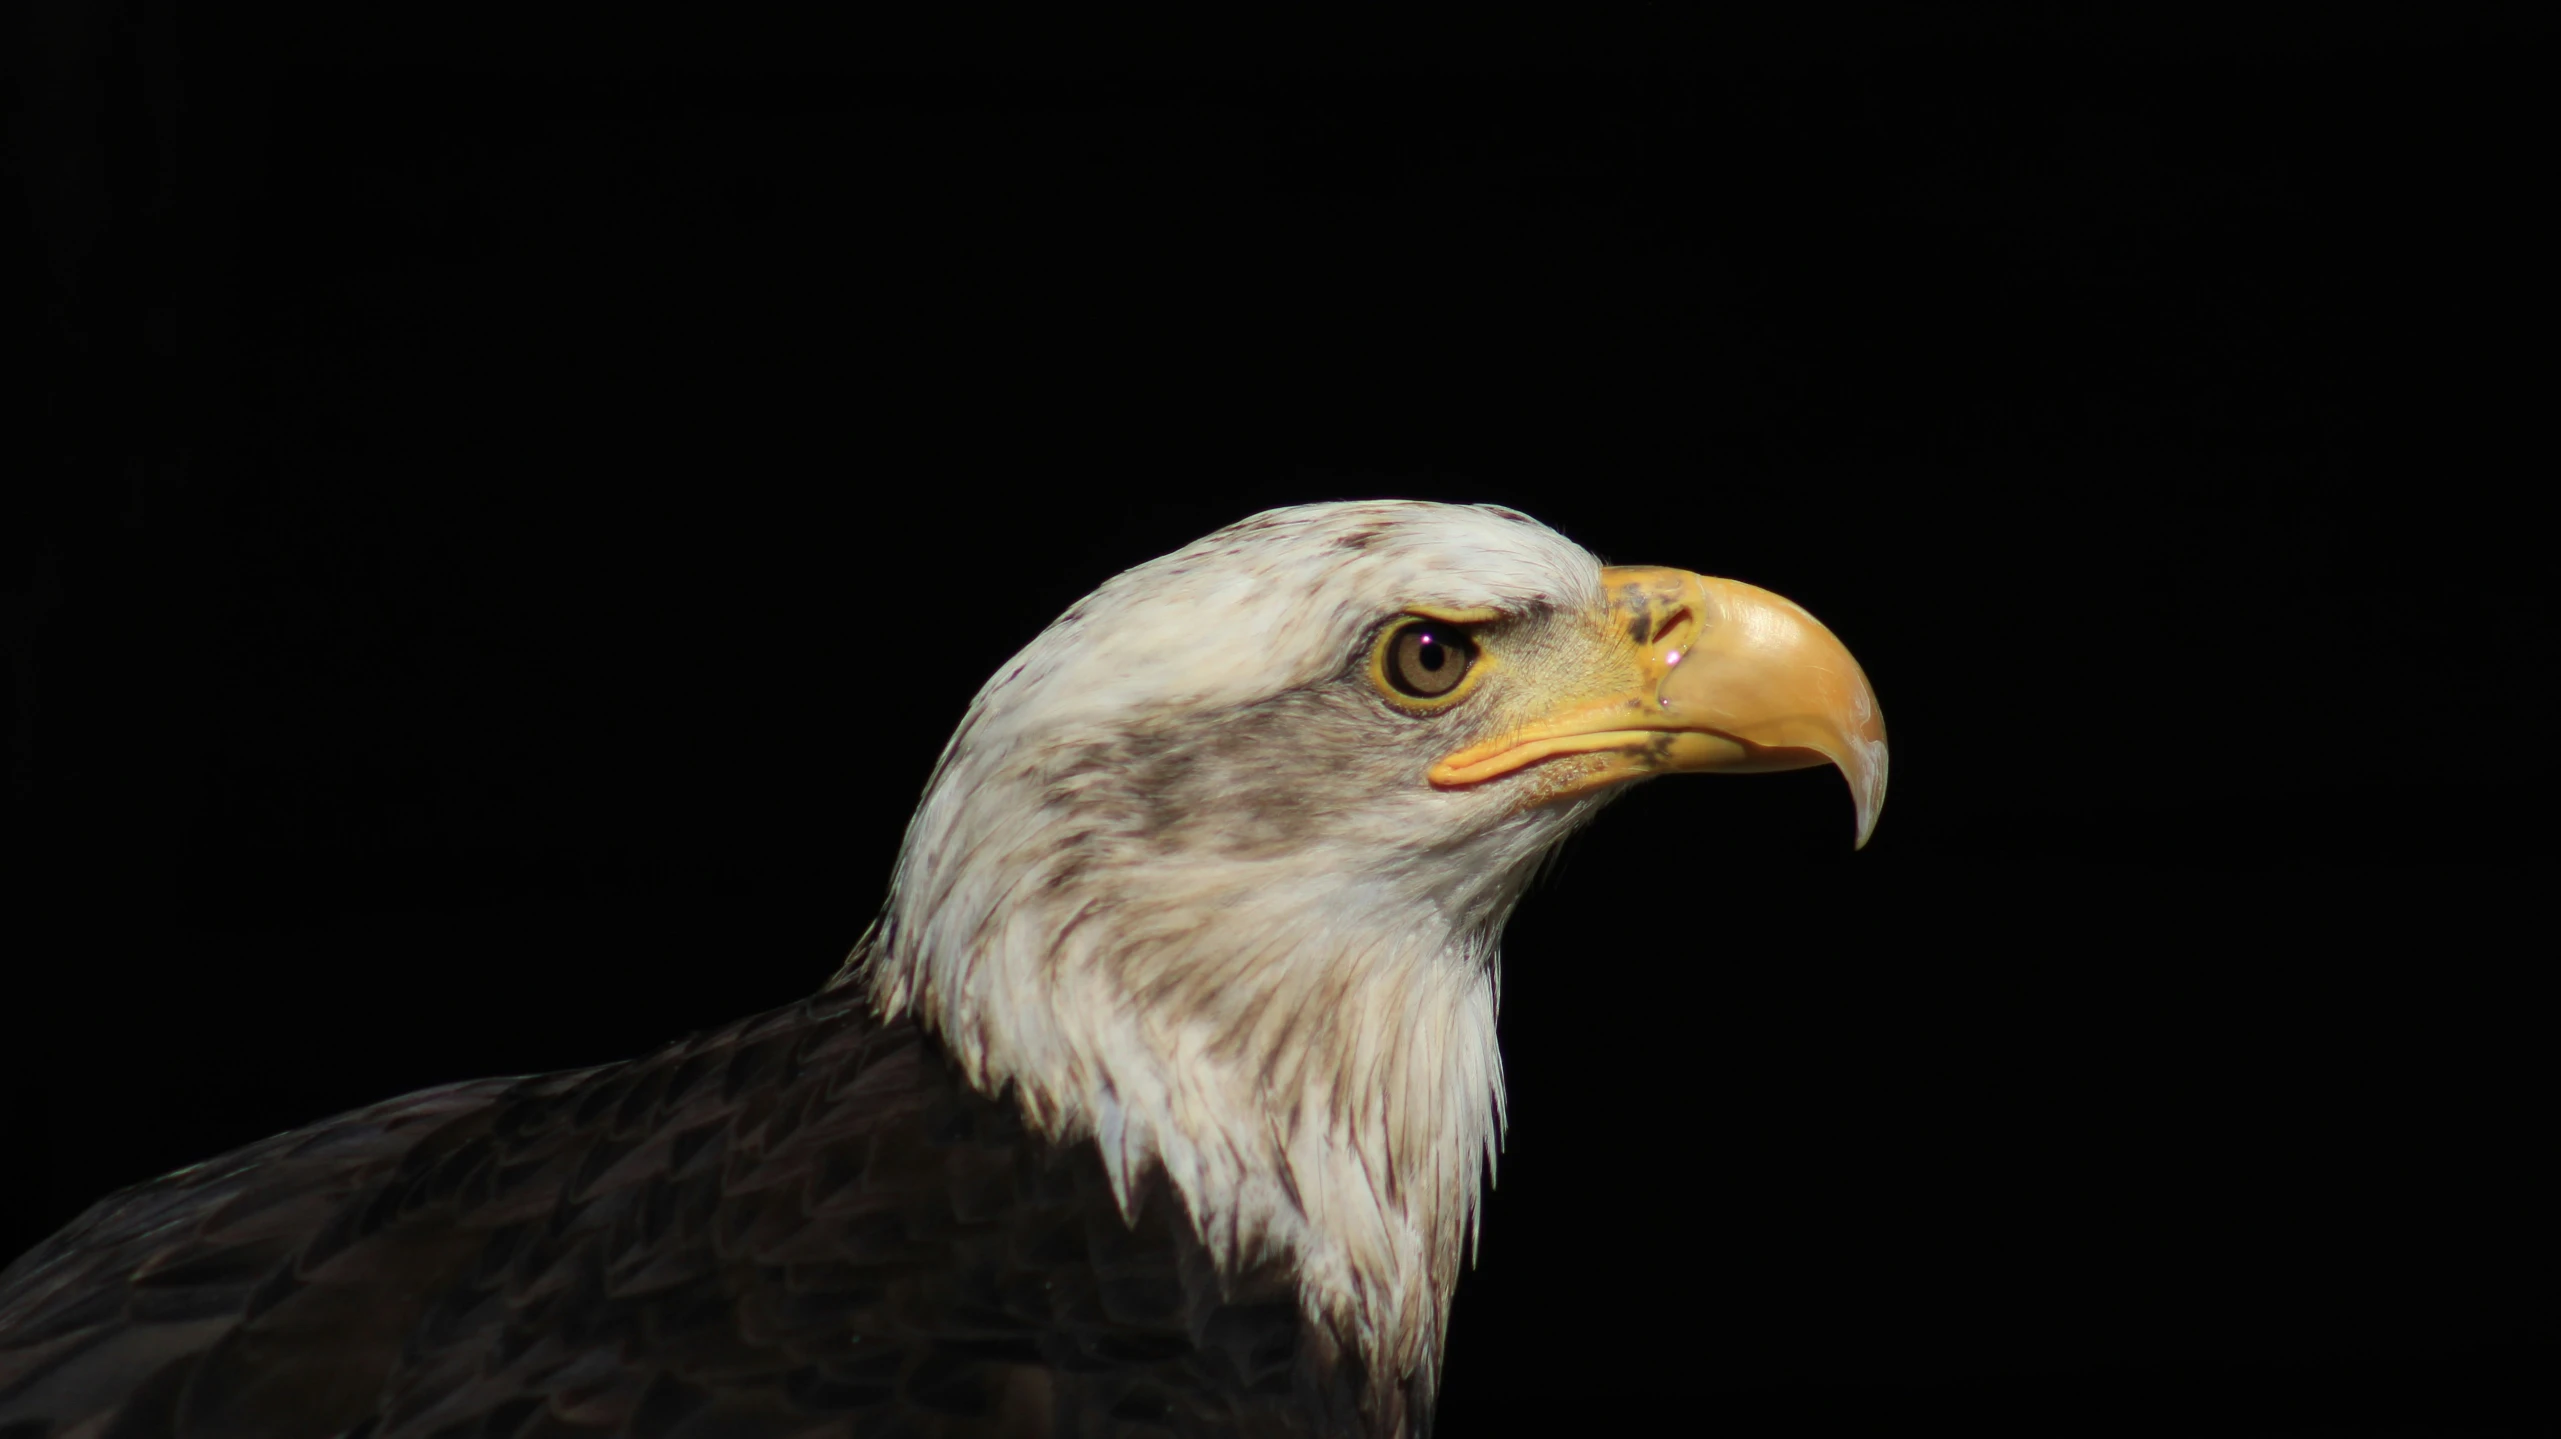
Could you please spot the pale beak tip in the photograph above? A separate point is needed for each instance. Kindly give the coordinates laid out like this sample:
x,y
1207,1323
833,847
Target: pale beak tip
x,y
1867,786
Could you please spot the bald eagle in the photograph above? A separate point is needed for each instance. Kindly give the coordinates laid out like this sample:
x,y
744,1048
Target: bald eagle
x,y
1156,1101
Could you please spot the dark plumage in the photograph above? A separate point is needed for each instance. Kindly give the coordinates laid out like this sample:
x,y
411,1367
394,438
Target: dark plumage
x,y
802,1219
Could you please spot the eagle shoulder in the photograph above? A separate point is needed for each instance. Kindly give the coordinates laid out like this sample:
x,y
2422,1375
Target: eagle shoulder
x,y
804,1223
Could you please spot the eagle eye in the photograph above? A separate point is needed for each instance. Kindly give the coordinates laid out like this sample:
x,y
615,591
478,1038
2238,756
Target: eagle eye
x,y
1426,659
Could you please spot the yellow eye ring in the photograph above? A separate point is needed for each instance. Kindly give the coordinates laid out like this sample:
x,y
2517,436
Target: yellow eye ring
x,y
1424,663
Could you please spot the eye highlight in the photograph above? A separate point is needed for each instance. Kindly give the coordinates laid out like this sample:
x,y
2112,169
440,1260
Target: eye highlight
x,y
1425,661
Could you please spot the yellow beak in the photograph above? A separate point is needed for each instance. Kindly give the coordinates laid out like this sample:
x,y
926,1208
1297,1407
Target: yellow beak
x,y
1730,677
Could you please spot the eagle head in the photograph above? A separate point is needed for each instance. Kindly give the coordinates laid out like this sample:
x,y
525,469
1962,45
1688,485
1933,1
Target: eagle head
x,y
1214,871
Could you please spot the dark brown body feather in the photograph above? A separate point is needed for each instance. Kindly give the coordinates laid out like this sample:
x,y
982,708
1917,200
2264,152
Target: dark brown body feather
x,y
804,1224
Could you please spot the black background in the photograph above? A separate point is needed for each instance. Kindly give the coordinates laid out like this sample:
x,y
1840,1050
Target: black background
x,y
520,502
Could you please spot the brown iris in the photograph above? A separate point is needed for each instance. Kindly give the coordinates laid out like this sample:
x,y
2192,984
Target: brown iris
x,y
1427,660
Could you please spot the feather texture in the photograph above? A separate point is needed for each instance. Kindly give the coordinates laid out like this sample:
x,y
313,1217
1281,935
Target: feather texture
x,y
1180,881
807,1223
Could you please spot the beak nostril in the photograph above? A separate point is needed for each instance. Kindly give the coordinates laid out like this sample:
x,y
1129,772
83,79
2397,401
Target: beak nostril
x,y
1670,622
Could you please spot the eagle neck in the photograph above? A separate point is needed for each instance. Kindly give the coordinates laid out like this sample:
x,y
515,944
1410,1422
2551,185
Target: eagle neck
x,y
1319,1083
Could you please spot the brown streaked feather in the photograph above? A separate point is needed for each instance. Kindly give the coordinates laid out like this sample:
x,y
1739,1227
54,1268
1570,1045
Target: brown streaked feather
x,y
803,1224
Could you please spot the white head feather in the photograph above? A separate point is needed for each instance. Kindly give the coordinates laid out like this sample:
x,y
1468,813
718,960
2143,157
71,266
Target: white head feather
x,y
1181,881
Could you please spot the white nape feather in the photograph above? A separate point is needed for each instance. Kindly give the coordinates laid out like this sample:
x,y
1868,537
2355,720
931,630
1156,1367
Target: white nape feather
x,y
1180,880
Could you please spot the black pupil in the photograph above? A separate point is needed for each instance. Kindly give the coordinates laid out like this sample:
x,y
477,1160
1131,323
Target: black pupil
x,y
1430,651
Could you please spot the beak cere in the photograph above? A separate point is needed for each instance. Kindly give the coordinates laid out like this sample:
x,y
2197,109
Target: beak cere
x,y
1731,677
